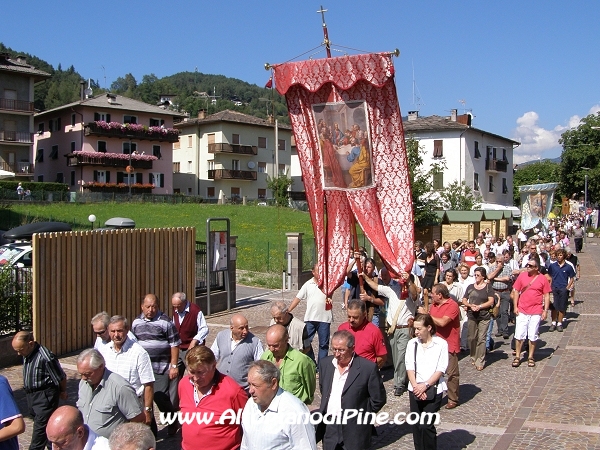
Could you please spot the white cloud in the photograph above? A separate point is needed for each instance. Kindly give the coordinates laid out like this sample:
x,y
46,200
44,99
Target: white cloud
x,y
536,140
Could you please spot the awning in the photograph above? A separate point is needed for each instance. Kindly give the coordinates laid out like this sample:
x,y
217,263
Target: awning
x,y
516,212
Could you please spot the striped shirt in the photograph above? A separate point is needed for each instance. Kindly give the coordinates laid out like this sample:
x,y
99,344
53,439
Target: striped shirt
x,y
41,369
157,336
131,362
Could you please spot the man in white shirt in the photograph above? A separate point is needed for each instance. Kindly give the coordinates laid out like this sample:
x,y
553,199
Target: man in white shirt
x,y
66,427
100,326
274,419
130,360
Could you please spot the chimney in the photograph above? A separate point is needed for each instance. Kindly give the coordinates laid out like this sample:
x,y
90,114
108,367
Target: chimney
x,y
21,59
270,119
202,114
81,88
453,115
413,115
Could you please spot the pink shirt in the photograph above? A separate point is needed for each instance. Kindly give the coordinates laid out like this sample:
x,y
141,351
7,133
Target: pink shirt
x,y
531,301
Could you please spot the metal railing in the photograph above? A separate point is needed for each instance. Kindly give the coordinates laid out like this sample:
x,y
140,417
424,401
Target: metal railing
x,y
16,105
233,148
225,174
22,137
15,299
217,280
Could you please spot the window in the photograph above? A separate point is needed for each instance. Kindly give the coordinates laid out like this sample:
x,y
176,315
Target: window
x,y
72,178
39,156
156,151
129,119
73,120
262,167
72,146
50,125
491,184
100,176
438,181
124,177
156,122
157,179
41,178
127,149
489,151
235,192
190,168
176,167
211,138
438,148
210,192
60,178
504,186
211,164
504,155
475,181
235,138
477,152
262,193
41,127
190,141
57,124
235,164
100,116
262,142
281,145
54,152
102,146
281,169
494,152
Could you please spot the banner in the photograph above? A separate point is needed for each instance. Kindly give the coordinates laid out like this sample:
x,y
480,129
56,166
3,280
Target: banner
x,y
348,128
536,204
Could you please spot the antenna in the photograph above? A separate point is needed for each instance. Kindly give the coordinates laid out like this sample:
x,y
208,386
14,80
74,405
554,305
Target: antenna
x,y
214,97
104,70
416,95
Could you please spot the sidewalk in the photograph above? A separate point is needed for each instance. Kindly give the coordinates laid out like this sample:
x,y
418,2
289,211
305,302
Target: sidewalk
x,y
553,405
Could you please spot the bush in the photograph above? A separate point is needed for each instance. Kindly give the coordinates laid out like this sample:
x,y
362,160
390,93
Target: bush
x,y
34,186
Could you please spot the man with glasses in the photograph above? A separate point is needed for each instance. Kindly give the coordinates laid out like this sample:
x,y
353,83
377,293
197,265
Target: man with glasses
x,y
100,326
66,430
531,290
347,381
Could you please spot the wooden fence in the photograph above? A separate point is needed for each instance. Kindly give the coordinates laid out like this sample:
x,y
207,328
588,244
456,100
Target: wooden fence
x,y
78,274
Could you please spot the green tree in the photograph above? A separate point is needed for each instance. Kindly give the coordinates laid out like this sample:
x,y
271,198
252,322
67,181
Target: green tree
x,y
424,201
459,197
539,172
280,187
581,148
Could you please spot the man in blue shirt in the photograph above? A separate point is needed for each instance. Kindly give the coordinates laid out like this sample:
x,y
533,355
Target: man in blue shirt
x,y
563,276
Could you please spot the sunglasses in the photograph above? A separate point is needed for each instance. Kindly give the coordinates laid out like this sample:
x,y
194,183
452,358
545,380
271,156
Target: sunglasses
x,y
531,266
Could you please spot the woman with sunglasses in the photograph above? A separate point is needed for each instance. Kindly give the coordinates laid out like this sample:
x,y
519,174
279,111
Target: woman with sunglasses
x,y
531,301
478,299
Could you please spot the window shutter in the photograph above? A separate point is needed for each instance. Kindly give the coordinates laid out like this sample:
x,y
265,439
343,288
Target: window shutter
x,y
438,148
151,178
162,180
162,121
96,117
95,175
138,178
119,177
108,117
107,176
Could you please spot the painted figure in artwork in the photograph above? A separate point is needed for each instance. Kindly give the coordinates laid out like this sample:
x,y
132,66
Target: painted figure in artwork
x,y
361,169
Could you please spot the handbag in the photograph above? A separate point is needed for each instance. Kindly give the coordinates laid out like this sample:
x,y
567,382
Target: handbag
x,y
431,390
495,311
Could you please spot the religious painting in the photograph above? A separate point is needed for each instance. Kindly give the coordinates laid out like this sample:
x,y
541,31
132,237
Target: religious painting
x,y
345,145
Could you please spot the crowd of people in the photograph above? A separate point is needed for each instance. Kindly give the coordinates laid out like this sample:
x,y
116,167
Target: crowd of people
x,y
447,304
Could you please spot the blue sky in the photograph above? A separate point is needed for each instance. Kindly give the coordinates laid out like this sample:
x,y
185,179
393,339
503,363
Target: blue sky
x,y
527,70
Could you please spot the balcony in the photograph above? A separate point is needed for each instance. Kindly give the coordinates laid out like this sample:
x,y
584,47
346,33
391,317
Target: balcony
x,y
496,165
20,137
224,174
19,168
109,160
131,131
233,148
16,105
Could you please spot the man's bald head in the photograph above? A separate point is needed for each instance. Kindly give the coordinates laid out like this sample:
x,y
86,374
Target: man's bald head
x,y
66,430
23,343
277,340
239,327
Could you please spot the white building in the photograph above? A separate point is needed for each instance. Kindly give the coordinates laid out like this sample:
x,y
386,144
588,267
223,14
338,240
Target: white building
x,y
230,152
483,160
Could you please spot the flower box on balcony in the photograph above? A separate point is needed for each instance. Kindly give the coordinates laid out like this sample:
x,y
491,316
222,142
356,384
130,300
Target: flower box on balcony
x,y
131,131
81,158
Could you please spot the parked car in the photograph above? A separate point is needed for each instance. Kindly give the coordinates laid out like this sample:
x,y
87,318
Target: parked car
x,y
18,253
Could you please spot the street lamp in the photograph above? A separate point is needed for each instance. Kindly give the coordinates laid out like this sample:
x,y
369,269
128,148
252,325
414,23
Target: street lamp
x,y
92,219
129,168
585,205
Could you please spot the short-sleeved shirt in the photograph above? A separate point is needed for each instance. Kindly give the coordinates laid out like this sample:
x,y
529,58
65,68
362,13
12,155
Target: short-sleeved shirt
x,y
561,274
298,374
478,297
433,358
531,300
41,369
368,340
451,332
315,303
132,362
157,336
110,404
9,411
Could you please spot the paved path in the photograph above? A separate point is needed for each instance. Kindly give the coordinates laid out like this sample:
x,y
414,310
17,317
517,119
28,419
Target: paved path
x,y
551,406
